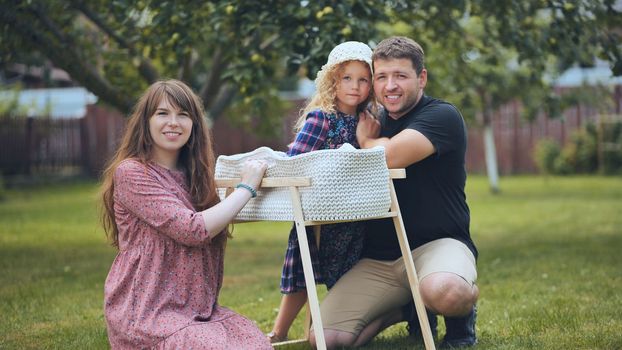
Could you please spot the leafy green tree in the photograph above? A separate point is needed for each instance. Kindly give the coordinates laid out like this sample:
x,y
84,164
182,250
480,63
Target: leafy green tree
x,y
481,53
231,52
493,52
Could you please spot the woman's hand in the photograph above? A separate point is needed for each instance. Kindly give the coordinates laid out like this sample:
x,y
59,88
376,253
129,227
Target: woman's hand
x,y
253,171
219,216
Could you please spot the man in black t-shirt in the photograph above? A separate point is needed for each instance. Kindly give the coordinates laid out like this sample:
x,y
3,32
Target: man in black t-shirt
x,y
426,136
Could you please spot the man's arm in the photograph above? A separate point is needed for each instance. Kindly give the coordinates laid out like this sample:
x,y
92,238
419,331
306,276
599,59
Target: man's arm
x,y
401,150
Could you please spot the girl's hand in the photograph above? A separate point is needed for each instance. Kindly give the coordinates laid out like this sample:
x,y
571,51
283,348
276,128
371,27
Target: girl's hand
x,y
253,171
367,128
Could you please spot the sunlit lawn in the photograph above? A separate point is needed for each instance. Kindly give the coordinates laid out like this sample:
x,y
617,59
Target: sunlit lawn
x,y
550,267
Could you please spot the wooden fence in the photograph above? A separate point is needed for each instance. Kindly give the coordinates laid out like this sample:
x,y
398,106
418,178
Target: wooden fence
x,y
43,146
516,138
38,145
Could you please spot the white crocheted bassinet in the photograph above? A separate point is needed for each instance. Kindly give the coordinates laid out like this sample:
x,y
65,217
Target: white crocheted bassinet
x,y
346,184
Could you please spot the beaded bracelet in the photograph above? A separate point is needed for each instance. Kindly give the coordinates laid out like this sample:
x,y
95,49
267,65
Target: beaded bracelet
x,y
247,187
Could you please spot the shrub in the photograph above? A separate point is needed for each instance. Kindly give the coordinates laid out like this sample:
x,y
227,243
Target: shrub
x,y
611,144
546,152
579,156
562,166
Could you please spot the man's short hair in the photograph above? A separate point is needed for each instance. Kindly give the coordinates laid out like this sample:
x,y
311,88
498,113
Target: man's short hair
x,y
398,47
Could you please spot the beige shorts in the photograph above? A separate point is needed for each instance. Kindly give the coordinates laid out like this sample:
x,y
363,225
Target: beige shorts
x,y
373,287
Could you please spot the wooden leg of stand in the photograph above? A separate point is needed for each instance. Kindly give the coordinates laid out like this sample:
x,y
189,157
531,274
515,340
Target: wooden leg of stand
x,y
307,323
410,271
307,267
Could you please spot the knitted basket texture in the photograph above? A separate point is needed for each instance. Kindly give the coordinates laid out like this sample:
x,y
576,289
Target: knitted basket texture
x,y
346,184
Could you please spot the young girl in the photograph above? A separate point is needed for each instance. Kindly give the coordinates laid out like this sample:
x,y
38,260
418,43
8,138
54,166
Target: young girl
x,y
162,211
343,89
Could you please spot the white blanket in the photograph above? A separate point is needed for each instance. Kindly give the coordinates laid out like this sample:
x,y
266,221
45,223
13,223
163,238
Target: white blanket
x,y
346,184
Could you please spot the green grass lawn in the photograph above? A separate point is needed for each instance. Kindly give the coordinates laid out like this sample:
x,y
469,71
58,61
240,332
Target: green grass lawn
x,y
550,267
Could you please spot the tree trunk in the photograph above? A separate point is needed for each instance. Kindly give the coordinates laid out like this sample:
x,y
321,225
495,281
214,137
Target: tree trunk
x,y
490,151
492,168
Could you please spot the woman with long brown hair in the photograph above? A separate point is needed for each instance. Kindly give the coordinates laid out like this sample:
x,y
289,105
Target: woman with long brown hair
x,y
162,211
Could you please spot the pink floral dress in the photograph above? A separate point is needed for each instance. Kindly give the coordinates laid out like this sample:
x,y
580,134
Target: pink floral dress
x,y
162,289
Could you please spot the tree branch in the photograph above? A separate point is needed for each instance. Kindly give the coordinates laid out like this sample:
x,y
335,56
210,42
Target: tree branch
x,y
212,83
60,49
269,41
49,24
226,95
186,67
146,69
212,87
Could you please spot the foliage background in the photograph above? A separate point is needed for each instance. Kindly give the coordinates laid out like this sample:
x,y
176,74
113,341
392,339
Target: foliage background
x,y
239,53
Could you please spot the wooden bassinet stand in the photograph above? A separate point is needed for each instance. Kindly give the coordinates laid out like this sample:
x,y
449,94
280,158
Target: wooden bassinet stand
x,y
293,183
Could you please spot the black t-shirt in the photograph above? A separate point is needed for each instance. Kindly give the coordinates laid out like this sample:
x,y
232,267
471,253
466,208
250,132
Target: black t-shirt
x,y
431,197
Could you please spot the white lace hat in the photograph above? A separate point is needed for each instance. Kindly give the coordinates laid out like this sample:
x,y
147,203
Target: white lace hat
x,y
346,51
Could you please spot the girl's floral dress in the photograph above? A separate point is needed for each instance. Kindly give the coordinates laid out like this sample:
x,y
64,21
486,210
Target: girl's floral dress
x,y
341,244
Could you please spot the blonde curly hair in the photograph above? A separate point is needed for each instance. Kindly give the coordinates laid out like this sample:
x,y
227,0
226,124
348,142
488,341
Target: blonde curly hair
x,y
325,96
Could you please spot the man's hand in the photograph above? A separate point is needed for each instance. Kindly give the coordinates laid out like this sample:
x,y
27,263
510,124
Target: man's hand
x,y
367,129
407,147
